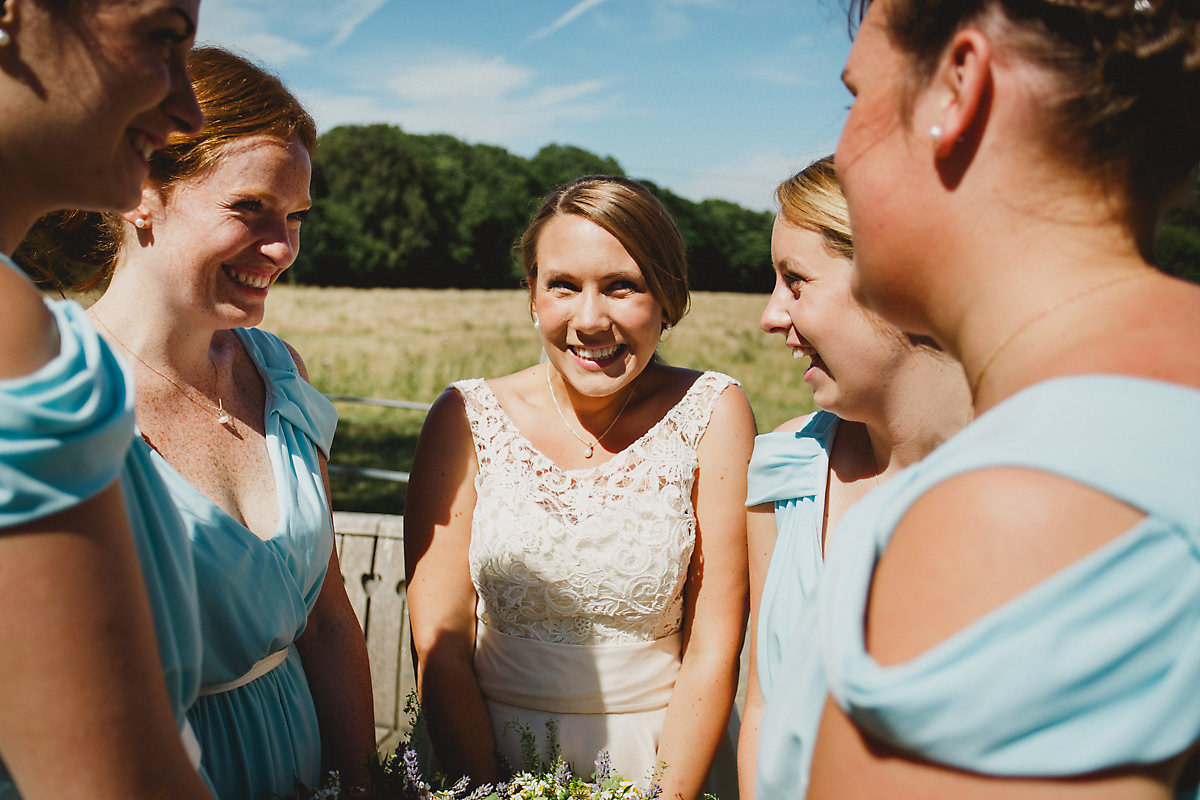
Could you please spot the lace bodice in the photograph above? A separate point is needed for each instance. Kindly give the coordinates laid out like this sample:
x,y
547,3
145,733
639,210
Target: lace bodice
x,y
589,556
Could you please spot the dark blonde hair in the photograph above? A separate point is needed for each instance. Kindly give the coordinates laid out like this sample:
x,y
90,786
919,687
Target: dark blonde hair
x,y
1125,103
239,99
635,218
812,198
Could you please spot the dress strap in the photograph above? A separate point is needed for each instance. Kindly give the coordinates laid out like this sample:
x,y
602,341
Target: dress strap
x,y
65,428
695,409
289,395
791,464
260,668
484,416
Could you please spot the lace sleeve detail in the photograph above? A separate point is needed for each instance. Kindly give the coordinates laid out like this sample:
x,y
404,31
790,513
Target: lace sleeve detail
x,y
486,420
696,407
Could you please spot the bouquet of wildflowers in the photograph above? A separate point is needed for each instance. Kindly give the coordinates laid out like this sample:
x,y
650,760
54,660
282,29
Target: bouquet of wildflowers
x,y
400,777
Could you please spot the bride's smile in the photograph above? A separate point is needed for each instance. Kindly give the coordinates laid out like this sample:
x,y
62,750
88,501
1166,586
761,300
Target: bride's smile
x,y
599,322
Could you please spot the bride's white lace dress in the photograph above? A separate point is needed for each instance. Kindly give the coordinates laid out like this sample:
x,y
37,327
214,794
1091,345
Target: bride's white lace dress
x,y
580,576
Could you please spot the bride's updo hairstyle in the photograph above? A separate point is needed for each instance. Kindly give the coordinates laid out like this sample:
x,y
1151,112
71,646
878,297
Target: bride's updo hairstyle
x,y
635,218
1124,102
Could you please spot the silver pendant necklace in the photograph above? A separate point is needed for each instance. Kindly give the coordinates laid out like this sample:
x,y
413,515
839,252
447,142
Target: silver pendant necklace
x,y
591,446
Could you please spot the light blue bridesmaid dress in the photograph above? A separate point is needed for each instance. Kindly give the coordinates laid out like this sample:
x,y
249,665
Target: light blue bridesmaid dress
x,y
255,595
791,470
1097,666
65,434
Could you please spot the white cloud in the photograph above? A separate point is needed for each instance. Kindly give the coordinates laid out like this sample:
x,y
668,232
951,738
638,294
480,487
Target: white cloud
x,y
474,97
672,19
570,16
280,32
749,181
354,14
263,48
331,109
459,79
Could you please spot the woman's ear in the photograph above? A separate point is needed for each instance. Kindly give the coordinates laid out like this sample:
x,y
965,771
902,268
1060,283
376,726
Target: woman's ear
x,y
959,91
142,215
9,17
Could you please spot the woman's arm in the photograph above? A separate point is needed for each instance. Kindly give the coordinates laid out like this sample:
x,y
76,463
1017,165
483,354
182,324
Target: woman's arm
x,y
931,582
760,539
334,653
335,659
84,711
441,596
715,602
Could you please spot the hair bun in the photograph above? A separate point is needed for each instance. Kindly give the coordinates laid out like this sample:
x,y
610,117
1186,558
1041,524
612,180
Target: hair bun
x,y
1129,83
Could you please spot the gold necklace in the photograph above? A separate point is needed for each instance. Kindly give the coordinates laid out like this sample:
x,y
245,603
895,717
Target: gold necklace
x,y
223,416
591,446
1055,306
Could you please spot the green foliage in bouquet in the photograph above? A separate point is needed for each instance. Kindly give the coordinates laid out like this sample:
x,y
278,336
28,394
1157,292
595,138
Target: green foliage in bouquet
x,y
400,776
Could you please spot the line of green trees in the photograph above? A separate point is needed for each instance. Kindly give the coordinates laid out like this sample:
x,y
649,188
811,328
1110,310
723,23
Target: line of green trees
x,y
401,210
395,209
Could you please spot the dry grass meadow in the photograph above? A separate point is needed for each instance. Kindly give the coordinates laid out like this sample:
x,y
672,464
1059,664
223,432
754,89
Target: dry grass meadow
x,y
408,344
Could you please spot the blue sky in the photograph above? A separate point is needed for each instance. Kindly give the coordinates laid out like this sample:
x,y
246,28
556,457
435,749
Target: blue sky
x,y
710,98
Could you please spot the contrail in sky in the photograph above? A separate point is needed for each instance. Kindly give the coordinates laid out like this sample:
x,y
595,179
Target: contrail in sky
x,y
579,8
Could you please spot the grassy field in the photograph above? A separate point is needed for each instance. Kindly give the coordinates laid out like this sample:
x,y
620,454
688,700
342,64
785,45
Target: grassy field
x,y
408,344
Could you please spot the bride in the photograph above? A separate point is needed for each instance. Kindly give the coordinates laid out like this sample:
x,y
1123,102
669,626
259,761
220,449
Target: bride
x,y
574,536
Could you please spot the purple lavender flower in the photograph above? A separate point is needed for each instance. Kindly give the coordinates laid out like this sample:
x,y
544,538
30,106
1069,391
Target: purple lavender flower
x,y
603,765
412,770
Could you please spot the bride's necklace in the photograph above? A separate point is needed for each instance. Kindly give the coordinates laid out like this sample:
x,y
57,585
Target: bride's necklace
x,y
223,416
591,446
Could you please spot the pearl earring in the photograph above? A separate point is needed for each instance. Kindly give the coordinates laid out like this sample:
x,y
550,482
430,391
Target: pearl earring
x,y
140,223
935,132
5,38
537,323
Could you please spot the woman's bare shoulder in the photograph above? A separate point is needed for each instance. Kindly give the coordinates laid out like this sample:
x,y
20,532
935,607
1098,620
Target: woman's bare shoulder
x,y
965,548
517,385
795,423
28,337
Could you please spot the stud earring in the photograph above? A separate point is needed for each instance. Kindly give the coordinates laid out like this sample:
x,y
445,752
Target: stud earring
x,y
140,223
537,323
935,132
5,38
